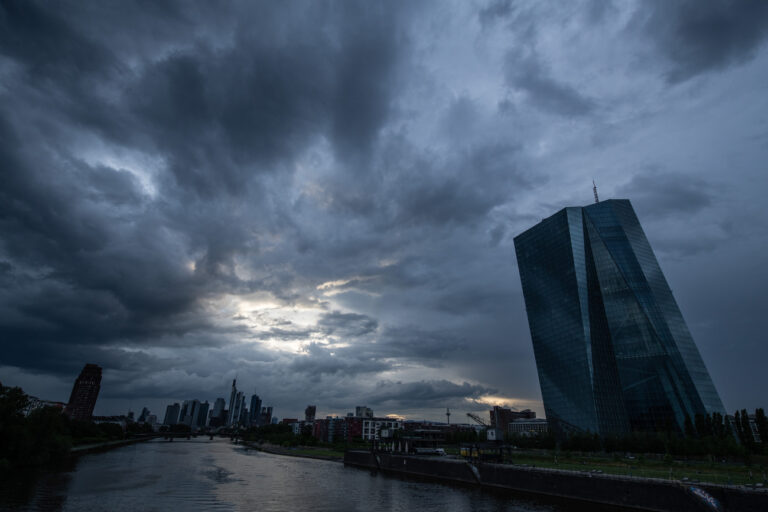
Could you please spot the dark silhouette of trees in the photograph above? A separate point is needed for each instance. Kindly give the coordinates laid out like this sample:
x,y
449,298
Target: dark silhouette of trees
x,y
762,428
45,435
689,431
40,438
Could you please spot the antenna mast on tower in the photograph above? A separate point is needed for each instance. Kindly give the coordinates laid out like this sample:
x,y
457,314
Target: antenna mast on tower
x,y
594,189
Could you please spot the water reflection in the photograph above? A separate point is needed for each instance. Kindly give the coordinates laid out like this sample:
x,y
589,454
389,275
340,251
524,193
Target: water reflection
x,y
215,475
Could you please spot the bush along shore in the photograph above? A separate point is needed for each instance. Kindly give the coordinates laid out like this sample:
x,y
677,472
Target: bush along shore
x,y
45,436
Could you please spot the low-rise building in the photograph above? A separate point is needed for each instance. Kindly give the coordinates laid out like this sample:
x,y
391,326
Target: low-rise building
x,y
362,411
533,426
372,427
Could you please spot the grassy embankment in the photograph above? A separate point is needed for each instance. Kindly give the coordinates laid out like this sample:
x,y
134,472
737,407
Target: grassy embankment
x,y
727,473
312,452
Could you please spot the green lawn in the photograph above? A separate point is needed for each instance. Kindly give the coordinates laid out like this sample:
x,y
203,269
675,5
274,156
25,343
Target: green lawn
x,y
323,452
721,473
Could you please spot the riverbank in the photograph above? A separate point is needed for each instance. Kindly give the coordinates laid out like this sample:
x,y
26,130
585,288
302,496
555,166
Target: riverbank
x,y
307,452
648,465
632,493
106,445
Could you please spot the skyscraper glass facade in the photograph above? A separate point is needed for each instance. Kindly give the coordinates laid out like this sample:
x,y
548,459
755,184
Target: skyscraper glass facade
x,y
612,349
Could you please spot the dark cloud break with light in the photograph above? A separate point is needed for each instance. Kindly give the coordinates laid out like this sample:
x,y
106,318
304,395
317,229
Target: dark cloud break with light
x,y
321,197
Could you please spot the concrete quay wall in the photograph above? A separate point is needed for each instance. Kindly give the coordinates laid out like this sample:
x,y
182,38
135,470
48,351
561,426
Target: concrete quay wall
x,y
628,492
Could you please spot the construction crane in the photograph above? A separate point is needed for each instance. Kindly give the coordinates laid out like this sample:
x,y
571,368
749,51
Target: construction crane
x,y
477,419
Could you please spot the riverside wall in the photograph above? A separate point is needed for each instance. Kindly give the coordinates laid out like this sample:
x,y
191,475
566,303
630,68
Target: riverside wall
x,y
633,493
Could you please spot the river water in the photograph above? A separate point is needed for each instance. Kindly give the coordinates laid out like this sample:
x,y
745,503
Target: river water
x,y
200,474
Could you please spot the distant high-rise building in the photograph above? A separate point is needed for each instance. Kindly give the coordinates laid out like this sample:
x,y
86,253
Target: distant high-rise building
x,y
189,415
200,415
309,413
172,414
243,412
218,407
612,349
362,411
143,415
232,405
217,416
236,414
255,411
184,411
266,415
82,400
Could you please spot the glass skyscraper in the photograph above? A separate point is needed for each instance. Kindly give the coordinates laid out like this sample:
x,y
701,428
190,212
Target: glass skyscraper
x,y
612,349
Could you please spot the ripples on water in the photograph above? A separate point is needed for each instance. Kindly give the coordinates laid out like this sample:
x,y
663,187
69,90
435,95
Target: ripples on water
x,y
215,475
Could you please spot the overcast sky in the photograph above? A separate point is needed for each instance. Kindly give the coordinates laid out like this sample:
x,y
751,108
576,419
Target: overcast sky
x,y
320,198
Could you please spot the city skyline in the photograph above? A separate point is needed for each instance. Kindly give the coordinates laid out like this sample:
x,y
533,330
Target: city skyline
x,y
320,199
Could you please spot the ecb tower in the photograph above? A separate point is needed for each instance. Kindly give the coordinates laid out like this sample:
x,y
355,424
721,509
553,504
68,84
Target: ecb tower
x,y
612,349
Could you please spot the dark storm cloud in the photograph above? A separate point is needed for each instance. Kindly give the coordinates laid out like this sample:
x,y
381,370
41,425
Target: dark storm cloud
x,y
424,393
485,177
320,361
247,108
472,299
494,10
364,76
321,196
48,47
527,73
697,37
216,116
431,348
661,194
347,324
391,349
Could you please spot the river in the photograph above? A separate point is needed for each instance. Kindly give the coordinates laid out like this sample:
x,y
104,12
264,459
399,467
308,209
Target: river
x,y
200,474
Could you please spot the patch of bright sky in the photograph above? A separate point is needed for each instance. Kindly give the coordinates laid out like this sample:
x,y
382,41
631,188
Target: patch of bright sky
x,y
142,166
262,313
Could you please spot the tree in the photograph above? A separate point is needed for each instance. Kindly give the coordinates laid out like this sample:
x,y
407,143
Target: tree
x,y
36,439
703,425
718,426
746,428
15,441
13,402
738,426
688,430
762,427
50,430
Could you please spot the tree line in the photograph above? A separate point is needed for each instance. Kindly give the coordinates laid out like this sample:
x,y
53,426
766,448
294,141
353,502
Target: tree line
x,y
44,436
703,435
